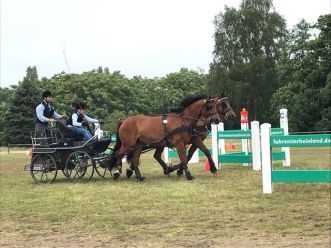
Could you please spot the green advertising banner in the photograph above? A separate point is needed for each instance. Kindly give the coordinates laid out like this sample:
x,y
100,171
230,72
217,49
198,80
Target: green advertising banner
x,y
241,134
300,140
234,134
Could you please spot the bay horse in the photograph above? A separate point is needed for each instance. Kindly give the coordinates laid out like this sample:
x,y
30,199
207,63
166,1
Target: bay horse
x,y
201,130
224,108
171,130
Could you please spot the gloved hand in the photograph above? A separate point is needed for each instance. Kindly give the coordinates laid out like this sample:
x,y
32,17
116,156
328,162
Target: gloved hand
x,y
51,120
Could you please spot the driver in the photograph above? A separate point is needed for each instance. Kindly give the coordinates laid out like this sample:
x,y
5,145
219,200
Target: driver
x,y
45,113
77,120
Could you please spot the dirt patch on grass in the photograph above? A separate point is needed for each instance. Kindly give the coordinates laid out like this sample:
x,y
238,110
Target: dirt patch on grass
x,y
98,240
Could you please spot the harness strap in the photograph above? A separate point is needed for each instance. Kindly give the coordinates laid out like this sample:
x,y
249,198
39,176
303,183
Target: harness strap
x,y
200,130
188,129
164,122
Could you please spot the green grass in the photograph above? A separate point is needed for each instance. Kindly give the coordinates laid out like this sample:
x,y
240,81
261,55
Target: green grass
x,y
210,210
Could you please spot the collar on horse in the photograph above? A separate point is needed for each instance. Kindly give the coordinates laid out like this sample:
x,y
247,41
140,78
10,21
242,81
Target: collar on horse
x,y
193,130
182,128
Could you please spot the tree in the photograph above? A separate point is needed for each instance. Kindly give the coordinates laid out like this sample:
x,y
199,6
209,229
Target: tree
x,y
306,72
247,48
21,110
5,96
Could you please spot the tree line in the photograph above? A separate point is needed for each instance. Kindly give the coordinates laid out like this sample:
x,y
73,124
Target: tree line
x,y
257,62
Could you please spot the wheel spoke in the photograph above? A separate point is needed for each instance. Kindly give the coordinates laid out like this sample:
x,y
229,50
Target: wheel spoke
x,y
82,164
43,168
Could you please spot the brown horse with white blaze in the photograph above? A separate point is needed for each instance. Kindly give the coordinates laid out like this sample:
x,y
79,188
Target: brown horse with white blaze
x,y
172,130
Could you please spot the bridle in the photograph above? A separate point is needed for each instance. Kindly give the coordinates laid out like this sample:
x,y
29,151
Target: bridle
x,y
226,101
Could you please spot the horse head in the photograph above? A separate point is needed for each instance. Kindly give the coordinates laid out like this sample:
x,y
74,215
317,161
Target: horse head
x,y
209,111
224,108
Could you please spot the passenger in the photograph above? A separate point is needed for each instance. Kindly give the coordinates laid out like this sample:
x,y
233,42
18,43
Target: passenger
x,y
77,120
45,113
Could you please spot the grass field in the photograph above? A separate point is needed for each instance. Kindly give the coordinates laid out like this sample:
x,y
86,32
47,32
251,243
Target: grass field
x,y
227,210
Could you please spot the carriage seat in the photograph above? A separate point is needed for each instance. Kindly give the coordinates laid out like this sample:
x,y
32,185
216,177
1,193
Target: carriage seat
x,y
69,132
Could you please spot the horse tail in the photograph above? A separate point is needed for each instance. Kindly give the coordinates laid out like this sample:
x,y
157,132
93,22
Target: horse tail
x,y
118,144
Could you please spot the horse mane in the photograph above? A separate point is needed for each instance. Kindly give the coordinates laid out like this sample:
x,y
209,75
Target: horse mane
x,y
186,102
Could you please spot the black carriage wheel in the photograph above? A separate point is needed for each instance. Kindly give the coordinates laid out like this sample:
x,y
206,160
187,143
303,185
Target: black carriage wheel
x,y
43,168
65,173
79,167
102,168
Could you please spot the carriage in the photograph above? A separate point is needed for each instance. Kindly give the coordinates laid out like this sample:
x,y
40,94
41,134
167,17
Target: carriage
x,y
62,149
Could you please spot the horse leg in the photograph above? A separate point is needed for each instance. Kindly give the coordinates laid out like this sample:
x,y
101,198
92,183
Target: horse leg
x,y
119,155
117,173
157,156
129,158
191,151
199,143
135,163
183,160
129,171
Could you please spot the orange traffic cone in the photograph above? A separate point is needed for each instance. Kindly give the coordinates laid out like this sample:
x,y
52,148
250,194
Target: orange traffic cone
x,y
229,147
207,165
29,152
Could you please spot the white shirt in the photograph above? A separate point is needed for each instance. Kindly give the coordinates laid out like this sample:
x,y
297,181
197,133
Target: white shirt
x,y
40,113
85,118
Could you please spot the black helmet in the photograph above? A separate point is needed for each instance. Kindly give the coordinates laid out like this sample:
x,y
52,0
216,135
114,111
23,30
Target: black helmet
x,y
46,93
80,105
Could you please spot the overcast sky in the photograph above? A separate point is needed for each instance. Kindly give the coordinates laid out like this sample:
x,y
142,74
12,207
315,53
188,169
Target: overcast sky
x,y
150,38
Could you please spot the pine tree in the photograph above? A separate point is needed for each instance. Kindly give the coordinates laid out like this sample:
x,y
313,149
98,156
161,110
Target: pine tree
x,y
21,113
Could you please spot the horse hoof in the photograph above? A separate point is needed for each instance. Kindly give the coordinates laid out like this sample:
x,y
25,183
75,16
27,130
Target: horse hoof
x,y
140,179
189,177
167,171
213,172
129,173
116,175
179,172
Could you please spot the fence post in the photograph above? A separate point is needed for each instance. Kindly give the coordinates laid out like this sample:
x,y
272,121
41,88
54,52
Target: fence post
x,y
221,142
195,157
256,147
166,155
284,124
244,126
266,158
214,143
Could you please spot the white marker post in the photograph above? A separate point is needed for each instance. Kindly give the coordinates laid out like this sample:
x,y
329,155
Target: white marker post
x,y
266,158
284,124
214,143
166,155
256,146
245,127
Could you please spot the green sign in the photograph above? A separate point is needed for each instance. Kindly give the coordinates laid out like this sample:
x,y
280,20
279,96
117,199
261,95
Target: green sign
x,y
173,153
308,176
300,140
277,131
234,134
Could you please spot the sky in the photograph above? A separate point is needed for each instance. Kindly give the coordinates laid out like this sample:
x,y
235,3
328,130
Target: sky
x,y
150,38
